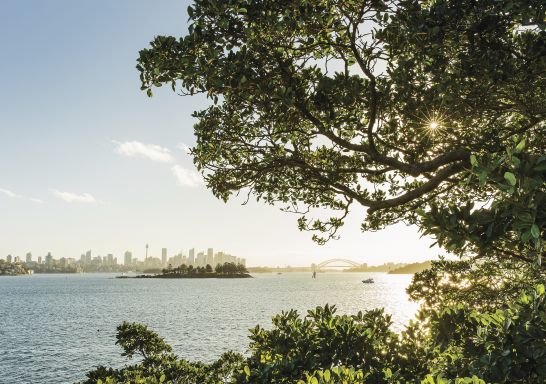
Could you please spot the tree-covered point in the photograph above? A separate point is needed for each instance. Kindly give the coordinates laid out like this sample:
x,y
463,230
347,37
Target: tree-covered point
x,y
221,270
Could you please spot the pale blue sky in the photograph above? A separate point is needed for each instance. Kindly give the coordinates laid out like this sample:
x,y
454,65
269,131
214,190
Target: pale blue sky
x,y
70,99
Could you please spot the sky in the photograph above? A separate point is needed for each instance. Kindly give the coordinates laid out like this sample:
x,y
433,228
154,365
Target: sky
x,y
88,161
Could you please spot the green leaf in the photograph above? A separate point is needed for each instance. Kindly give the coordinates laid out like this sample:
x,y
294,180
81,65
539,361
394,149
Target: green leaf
x,y
540,167
473,161
521,145
327,375
482,177
509,176
535,231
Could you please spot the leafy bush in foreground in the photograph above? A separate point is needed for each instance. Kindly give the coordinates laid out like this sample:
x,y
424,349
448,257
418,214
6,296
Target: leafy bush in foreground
x,y
455,345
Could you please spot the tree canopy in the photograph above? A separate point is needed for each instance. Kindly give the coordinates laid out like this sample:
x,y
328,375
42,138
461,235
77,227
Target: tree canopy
x,y
327,103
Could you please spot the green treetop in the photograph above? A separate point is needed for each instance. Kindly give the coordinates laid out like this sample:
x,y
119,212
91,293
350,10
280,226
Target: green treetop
x,y
327,103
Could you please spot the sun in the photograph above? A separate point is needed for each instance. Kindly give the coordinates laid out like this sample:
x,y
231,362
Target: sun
x,y
433,123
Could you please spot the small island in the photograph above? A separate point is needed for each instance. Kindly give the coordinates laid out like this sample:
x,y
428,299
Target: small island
x,y
221,271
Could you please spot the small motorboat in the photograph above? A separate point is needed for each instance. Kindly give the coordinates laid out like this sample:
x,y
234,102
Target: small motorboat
x,y
368,281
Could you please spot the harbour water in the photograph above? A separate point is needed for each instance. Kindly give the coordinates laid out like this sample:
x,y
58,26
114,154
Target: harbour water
x,y
55,328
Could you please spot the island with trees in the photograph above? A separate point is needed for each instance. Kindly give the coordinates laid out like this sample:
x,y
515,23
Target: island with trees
x,y
12,269
430,113
222,271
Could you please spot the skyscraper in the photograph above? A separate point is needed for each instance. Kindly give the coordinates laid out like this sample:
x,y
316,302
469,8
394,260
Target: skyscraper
x,y
200,260
164,256
29,257
210,257
127,258
219,258
9,259
191,258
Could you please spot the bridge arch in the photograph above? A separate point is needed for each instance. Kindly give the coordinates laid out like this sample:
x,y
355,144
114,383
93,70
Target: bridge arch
x,y
333,262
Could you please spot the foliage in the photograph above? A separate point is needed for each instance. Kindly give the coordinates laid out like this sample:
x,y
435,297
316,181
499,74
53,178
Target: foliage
x,y
511,221
344,375
486,285
230,269
382,103
321,339
159,364
138,339
454,345
12,268
504,346
220,269
501,242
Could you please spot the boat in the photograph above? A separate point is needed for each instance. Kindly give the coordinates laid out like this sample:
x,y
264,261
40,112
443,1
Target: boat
x,y
368,281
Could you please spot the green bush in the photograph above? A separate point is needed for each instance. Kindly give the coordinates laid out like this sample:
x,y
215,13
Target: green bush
x,y
457,344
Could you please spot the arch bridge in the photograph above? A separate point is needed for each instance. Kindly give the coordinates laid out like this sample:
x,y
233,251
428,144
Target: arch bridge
x,y
337,263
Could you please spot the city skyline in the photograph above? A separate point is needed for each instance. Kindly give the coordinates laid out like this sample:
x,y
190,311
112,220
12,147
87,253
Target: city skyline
x,y
29,256
87,262
190,257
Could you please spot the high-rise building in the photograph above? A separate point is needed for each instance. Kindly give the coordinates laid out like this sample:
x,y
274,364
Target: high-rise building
x,y
210,257
110,259
200,260
49,259
9,259
219,259
88,257
17,259
127,258
28,258
164,256
191,258
39,259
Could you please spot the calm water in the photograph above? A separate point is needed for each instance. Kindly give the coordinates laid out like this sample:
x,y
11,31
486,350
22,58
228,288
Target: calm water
x,y
54,328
